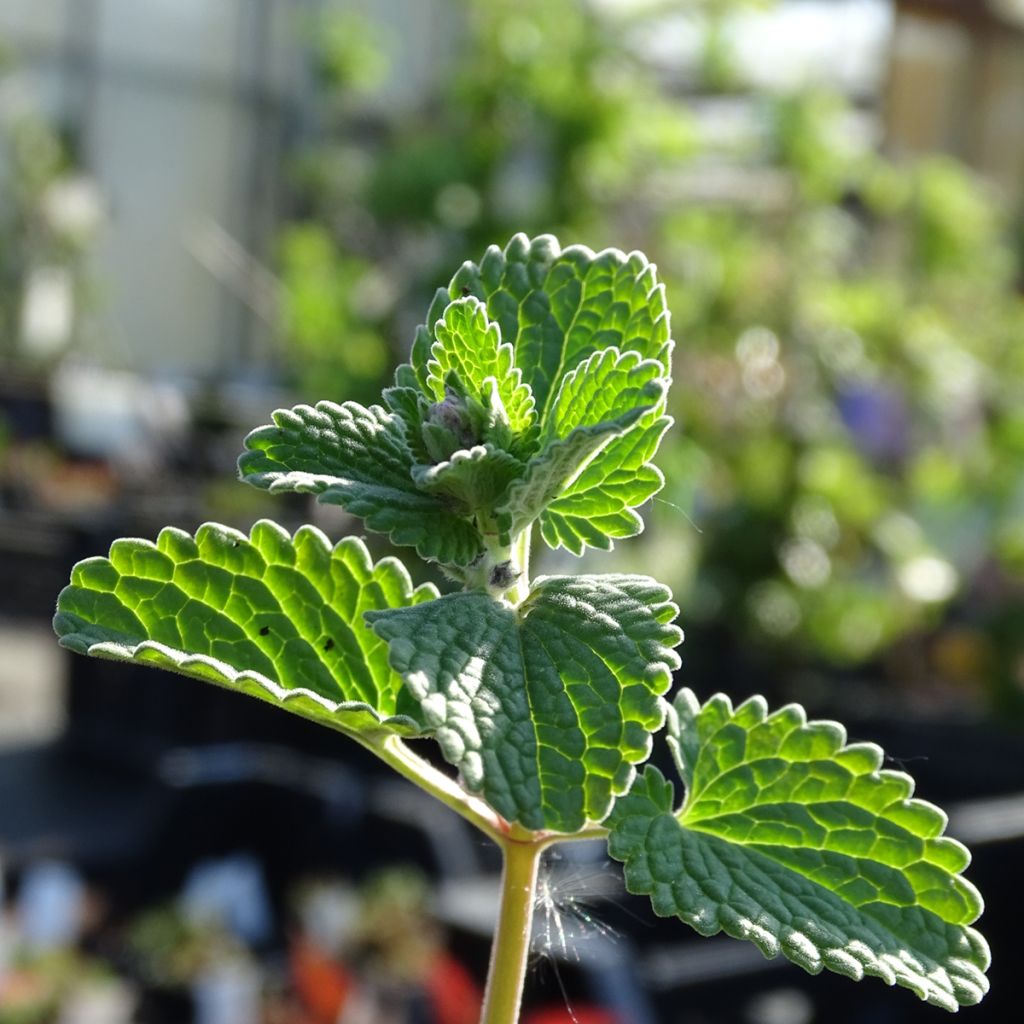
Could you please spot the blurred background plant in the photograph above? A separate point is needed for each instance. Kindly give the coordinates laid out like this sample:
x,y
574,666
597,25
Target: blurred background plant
x,y
49,215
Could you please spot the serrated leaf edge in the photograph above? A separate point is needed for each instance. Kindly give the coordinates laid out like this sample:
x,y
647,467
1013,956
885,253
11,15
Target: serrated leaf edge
x,y
227,676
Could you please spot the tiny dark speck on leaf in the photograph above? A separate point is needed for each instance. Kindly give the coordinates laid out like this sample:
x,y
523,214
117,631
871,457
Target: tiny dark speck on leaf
x,y
465,291
264,630
329,645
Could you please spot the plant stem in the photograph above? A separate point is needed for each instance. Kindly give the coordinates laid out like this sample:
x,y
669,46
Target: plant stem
x,y
391,750
522,561
511,946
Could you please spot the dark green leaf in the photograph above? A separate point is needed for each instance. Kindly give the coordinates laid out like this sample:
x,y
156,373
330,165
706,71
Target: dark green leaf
x,y
358,458
544,708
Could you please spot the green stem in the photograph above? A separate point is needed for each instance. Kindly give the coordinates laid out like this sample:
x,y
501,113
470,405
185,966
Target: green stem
x,y
511,947
390,749
521,557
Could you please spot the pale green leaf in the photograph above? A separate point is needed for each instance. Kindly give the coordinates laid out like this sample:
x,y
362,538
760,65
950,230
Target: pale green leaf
x,y
358,458
606,386
277,618
544,708
800,843
470,345
598,506
599,400
558,306
414,373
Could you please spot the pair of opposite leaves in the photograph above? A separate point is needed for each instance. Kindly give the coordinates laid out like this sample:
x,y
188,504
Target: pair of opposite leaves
x,y
786,837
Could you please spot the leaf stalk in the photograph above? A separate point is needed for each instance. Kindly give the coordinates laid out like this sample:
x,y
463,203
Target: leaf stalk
x,y
393,751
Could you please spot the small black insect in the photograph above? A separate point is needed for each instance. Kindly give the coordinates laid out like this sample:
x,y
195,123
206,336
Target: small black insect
x,y
465,291
264,630
329,645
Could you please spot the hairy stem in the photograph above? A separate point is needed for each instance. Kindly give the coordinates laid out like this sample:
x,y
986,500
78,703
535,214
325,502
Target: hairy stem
x,y
511,947
521,557
411,766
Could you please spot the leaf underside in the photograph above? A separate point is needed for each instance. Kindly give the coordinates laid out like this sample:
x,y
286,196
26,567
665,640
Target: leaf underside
x,y
275,617
801,844
544,708
358,458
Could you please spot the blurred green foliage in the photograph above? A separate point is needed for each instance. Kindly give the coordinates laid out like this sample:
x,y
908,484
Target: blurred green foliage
x,y
845,484
43,223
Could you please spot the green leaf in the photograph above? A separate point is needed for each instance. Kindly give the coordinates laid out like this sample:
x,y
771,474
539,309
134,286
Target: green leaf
x,y
276,618
599,400
801,844
358,458
412,409
598,506
470,345
544,708
475,476
558,306
414,373
609,386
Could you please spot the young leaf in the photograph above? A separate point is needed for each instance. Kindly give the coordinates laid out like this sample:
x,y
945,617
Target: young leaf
x,y
801,844
476,476
358,458
470,345
558,306
599,400
276,618
598,506
546,707
412,410
414,372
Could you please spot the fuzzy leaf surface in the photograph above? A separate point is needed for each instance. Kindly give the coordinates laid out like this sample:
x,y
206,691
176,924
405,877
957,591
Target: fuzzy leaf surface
x,y
470,344
556,307
599,400
476,476
358,458
598,506
544,708
799,843
275,617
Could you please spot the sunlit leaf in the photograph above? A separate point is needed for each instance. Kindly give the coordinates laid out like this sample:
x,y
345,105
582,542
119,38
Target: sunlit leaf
x,y
277,618
599,505
559,306
803,845
470,345
599,400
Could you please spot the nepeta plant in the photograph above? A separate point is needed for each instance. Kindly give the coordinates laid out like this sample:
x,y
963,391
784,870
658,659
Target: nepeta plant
x,y
535,397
